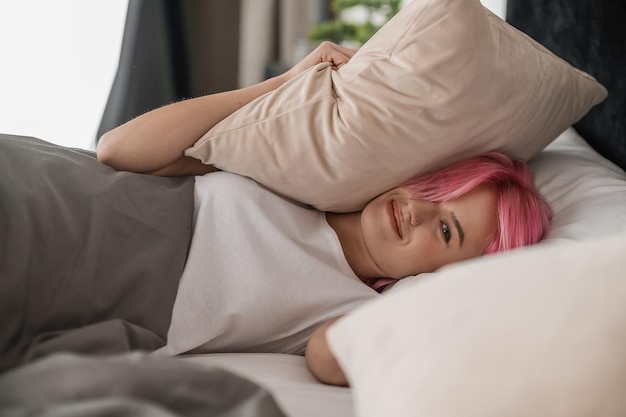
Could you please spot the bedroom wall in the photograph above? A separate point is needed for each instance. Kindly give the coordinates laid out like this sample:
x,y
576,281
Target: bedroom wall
x,y
273,32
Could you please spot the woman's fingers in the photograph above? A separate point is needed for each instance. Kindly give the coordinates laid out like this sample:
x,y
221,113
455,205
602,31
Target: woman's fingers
x,y
327,51
336,54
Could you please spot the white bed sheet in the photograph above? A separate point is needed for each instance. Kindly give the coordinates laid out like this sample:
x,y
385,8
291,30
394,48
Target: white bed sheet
x,y
286,376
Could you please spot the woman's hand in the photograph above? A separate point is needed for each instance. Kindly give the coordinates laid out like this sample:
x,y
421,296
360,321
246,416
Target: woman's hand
x,y
326,52
320,359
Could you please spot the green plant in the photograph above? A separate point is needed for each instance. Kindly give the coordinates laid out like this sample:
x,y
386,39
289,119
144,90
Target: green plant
x,y
341,30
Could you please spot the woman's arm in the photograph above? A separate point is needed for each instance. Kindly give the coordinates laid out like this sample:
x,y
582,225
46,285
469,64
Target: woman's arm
x,y
321,361
155,141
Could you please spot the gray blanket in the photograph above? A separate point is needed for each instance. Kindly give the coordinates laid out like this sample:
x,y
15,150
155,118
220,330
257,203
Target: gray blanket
x,y
90,258
129,385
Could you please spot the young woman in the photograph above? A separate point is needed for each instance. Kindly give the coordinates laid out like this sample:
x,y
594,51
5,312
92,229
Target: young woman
x,y
492,206
299,267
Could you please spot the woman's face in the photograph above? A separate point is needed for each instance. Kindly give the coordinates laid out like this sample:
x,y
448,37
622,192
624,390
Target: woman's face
x,y
407,236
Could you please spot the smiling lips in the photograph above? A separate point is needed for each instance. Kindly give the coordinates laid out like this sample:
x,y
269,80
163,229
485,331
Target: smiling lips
x,y
395,218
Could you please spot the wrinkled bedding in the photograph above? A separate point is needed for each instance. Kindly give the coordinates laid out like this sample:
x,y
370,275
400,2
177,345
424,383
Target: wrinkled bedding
x,y
129,385
90,261
90,258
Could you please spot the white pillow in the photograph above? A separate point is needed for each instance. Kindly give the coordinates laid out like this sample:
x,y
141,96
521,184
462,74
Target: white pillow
x,y
586,191
442,81
536,332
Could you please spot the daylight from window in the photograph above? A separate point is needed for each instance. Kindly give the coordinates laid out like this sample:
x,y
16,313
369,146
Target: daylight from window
x,y
59,59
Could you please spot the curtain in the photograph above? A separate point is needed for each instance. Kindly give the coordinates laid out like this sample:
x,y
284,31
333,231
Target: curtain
x,y
177,49
173,50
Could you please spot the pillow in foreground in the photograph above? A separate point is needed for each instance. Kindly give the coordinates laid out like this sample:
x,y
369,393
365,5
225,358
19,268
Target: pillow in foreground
x,y
536,332
442,81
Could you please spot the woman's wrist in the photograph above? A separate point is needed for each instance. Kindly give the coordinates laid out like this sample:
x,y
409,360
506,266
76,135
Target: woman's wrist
x,y
321,361
281,79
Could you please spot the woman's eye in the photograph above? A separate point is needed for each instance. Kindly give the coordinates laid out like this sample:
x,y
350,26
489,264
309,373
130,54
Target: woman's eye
x,y
445,230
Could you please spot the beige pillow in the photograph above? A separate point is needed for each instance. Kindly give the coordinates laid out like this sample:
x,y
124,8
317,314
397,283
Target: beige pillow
x,y
440,82
538,332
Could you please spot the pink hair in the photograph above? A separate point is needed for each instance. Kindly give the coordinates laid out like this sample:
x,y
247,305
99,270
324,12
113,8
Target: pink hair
x,y
523,214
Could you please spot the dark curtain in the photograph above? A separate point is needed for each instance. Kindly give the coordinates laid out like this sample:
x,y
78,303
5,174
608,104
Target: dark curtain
x,y
171,50
590,35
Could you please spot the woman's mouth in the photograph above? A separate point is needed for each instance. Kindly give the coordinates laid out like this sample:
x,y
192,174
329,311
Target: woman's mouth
x,y
395,218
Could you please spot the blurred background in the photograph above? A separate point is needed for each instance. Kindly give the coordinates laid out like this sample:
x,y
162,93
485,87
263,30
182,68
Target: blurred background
x,y
72,69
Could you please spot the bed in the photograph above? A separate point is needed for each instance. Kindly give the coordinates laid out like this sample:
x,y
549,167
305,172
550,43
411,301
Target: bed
x,y
539,331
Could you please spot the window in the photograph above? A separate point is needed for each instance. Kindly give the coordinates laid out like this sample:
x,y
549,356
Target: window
x,y
59,59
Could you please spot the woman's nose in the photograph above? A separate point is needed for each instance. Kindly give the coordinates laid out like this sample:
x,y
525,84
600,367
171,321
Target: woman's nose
x,y
421,211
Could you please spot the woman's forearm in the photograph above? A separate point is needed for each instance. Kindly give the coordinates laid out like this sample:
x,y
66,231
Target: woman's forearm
x,y
320,359
157,139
